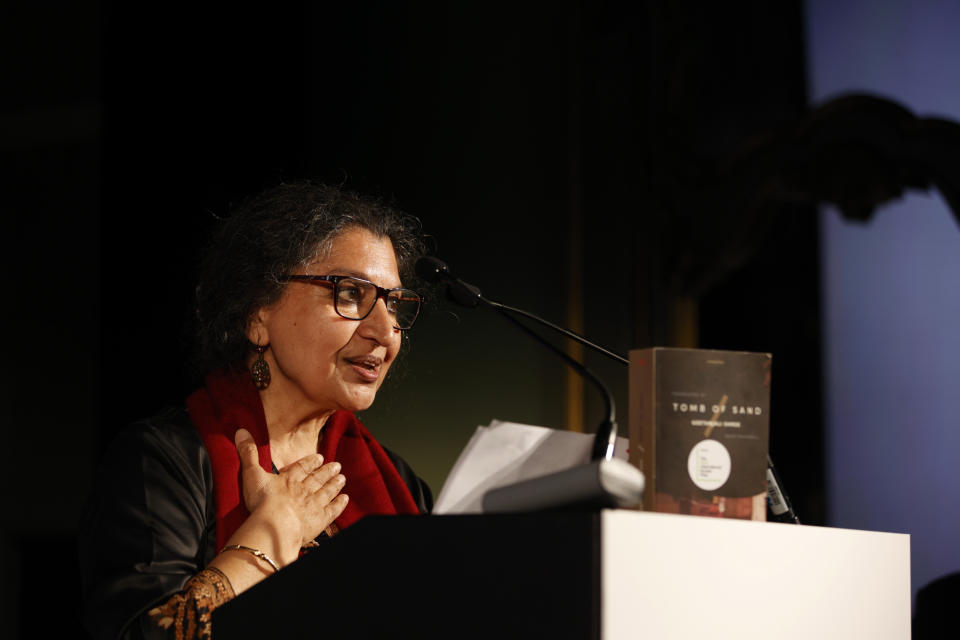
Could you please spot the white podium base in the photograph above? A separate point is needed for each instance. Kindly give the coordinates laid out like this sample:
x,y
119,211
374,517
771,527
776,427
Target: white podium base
x,y
687,577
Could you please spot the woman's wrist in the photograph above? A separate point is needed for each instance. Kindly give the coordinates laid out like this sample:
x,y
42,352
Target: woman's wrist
x,y
276,523
256,553
258,548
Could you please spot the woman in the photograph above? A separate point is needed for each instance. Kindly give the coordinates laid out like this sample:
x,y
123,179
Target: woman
x,y
301,313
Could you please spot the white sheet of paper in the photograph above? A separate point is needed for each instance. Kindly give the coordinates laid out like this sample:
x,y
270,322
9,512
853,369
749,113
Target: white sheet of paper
x,y
507,452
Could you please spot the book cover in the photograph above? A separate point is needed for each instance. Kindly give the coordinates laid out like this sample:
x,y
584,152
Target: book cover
x,y
699,430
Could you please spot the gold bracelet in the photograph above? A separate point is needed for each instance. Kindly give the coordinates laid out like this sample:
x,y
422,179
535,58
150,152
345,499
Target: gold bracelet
x,y
255,552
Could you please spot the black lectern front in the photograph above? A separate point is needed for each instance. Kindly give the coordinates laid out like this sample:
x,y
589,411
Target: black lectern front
x,y
494,576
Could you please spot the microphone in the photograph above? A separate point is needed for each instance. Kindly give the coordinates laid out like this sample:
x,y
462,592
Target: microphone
x,y
433,269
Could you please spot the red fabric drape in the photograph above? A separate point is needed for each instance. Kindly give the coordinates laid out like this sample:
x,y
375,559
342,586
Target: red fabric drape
x,y
229,401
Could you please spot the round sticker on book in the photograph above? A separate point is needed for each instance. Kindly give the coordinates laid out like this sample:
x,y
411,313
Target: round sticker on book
x,y
709,464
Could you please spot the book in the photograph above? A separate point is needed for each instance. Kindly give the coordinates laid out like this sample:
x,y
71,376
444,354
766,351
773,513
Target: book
x,y
699,430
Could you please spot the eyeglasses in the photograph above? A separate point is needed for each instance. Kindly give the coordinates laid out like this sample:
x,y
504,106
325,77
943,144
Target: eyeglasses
x,y
355,298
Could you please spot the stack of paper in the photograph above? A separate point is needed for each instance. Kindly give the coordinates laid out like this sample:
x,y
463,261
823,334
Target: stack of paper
x,y
507,452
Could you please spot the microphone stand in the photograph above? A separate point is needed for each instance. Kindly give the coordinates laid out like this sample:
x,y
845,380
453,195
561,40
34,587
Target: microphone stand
x,y
605,439
566,332
467,295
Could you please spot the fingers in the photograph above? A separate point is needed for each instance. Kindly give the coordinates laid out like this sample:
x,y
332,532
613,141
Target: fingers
x,y
327,501
253,478
327,482
336,507
304,466
322,476
246,449
326,512
307,487
320,482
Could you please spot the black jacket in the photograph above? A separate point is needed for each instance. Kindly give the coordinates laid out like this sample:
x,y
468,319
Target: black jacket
x,y
150,524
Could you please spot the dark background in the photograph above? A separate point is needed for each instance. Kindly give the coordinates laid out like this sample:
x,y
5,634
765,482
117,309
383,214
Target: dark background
x,y
557,154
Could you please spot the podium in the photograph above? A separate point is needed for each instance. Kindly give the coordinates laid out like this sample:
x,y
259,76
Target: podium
x,y
610,575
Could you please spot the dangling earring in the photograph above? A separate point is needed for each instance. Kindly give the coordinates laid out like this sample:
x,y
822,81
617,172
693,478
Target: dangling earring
x,y
260,370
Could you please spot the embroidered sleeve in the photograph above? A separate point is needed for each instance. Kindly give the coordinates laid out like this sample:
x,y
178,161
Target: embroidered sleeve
x,y
187,613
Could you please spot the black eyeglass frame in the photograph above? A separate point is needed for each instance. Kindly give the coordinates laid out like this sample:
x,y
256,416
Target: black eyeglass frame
x,y
382,292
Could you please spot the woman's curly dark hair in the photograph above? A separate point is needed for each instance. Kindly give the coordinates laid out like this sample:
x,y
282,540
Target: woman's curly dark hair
x,y
267,237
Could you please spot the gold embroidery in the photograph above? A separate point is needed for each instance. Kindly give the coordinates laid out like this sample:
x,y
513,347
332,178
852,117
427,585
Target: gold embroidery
x,y
189,611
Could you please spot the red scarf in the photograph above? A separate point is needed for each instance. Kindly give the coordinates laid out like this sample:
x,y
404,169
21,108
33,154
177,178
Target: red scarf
x,y
229,401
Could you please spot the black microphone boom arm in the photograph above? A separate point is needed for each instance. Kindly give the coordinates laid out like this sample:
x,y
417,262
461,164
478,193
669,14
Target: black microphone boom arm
x,y
433,270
